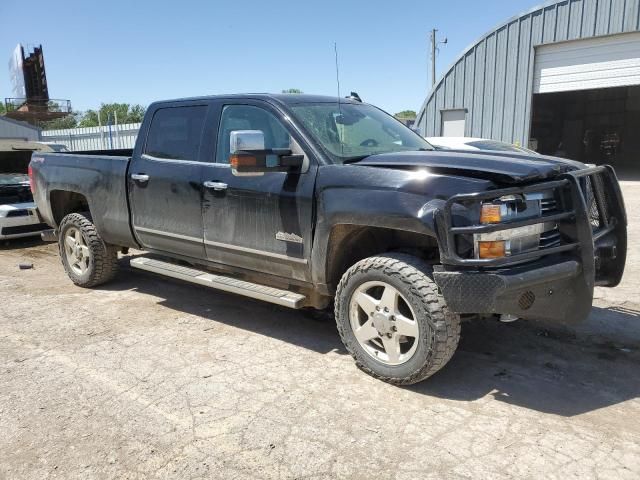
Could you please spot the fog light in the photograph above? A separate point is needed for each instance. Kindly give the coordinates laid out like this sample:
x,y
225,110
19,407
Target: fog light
x,y
490,213
494,249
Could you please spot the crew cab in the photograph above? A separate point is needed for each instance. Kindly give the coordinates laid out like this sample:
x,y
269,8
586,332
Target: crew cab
x,y
311,201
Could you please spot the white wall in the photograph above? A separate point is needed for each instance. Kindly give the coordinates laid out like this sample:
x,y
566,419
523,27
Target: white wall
x,y
14,129
453,123
95,138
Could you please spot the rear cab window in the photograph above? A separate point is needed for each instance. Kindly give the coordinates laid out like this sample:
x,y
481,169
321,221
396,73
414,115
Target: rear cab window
x,y
175,133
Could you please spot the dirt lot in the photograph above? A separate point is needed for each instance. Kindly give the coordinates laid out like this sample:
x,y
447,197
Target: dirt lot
x,y
152,378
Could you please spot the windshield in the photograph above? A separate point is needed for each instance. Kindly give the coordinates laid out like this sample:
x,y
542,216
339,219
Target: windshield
x,y
349,132
13,179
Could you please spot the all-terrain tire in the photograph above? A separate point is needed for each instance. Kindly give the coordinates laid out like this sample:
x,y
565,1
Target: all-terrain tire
x,y
103,257
439,327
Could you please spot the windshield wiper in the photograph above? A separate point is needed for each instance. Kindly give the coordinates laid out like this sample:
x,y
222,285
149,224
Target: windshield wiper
x,y
356,158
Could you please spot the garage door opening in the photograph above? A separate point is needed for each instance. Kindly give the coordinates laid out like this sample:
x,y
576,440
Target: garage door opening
x,y
593,126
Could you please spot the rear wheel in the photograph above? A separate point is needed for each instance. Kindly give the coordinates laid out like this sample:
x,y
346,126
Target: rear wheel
x,y
86,258
393,320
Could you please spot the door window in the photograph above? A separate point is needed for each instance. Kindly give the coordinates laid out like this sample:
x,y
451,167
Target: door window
x,y
175,133
247,117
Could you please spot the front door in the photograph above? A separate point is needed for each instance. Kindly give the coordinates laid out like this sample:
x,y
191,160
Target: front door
x,y
164,182
260,222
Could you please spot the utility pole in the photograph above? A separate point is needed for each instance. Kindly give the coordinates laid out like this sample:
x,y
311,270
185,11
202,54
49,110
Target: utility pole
x,y
433,57
434,50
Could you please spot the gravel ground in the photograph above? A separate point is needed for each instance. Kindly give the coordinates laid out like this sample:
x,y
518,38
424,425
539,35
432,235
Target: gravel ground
x,y
151,378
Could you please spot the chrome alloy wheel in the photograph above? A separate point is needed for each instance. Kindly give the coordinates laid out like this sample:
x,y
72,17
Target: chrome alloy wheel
x,y
384,323
76,251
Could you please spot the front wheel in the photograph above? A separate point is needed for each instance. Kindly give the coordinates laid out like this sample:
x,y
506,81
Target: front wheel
x,y
86,258
393,320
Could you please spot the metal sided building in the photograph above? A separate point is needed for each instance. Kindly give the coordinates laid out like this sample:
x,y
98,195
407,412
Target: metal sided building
x,y
562,78
14,129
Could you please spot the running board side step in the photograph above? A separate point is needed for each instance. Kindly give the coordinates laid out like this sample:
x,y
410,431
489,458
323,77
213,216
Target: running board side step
x,y
220,282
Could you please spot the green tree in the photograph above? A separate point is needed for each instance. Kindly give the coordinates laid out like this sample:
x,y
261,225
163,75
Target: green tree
x,y
406,114
124,112
3,110
136,113
70,121
292,90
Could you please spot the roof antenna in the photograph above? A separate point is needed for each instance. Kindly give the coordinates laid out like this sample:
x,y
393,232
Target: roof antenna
x,y
335,49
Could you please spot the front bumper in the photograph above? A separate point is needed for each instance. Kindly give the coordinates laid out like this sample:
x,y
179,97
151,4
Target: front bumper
x,y
556,291
555,283
20,220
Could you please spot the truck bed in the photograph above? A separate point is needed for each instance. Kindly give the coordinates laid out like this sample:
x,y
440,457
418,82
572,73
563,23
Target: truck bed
x,y
100,178
120,152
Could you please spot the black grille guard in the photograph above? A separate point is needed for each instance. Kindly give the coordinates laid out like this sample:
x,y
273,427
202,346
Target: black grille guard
x,y
575,219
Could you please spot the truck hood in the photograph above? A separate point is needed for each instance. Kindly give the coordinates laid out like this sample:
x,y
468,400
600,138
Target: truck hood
x,y
500,168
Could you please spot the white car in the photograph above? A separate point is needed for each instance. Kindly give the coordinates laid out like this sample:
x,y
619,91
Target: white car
x,y
476,144
18,213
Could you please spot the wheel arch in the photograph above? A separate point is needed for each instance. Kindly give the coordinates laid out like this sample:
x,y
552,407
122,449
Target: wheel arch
x,y
349,243
64,202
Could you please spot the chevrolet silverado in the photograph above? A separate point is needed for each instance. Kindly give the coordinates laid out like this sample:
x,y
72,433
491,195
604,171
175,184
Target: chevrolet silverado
x,y
311,201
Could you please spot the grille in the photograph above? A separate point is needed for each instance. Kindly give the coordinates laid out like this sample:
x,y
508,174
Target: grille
x,y
18,213
597,205
550,238
15,194
23,229
526,300
548,205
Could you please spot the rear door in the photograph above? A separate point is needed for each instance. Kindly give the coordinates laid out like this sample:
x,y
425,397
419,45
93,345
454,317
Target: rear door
x,y
259,222
164,181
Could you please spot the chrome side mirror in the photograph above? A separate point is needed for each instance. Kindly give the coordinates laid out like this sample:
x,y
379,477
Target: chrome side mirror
x,y
242,143
247,155
246,140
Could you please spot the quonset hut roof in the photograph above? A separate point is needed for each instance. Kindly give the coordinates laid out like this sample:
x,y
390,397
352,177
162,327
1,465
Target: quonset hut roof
x,y
492,79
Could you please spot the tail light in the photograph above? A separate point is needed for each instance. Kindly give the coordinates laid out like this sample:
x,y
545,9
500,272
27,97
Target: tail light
x,y
32,183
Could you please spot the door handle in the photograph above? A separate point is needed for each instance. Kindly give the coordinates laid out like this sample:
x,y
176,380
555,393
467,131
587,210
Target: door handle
x,y
139,177
217,186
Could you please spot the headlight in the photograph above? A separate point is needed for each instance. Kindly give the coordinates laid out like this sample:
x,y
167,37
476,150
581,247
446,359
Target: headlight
x,y
512,241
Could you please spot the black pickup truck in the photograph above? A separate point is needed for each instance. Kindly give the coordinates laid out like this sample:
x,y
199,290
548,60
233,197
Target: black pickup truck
x,y
309,201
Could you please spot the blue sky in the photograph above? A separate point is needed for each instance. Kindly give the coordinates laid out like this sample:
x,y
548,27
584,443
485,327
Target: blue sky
x,y
138,51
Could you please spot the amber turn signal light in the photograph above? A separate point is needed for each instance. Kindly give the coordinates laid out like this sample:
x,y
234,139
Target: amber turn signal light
x,y
490,213
494,249
239,161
